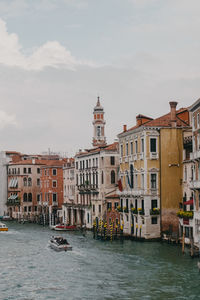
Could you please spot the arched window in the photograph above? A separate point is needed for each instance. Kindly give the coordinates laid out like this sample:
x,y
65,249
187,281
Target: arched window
x,y
112,177
25,181
29,181
25,197
29,197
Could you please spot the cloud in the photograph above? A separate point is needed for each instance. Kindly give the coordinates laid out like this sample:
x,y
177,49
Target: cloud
x,y
50,54
7,120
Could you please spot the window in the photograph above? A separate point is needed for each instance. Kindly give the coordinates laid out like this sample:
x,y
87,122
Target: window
x,y
54,172
54,183
38,170
153,145
154,203
142,145
29,208
38,181
136,203
98,131
193,123
96,162
29,197
24,170
25,197
126,149
154,220
131,148
29,181
126,203
121,150
112,177
88,217
112,160
116,205
25,181
143,204
54,197
109,205
35,208
153,181
25,208
93,208
136,147
38,197
97,179
83,164
99,208
19,171
198,120
29,170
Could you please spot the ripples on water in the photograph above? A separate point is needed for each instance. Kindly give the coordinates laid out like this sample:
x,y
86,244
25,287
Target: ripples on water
x,y
96,270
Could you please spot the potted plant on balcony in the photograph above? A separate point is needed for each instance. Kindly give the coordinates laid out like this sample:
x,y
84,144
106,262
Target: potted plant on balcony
x,y
141,211
134,210
155,211
185,214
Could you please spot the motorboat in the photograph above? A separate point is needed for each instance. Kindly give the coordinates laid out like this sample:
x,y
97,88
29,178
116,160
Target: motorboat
x,y
64,227
59,243
3,227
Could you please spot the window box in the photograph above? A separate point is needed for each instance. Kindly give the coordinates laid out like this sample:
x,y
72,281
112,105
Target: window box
x,y
154,211
134,210
185,214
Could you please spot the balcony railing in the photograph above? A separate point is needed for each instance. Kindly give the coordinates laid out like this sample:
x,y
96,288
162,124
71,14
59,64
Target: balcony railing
x,y
154,155
13,202
195,184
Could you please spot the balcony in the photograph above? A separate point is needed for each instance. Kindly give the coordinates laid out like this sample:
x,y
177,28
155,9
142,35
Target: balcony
x,y
141,156
13,202
195,184
154,155
55,203
185,215
195,155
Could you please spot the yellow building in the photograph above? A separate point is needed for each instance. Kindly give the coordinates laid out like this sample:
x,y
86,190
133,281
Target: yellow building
x,y
151,173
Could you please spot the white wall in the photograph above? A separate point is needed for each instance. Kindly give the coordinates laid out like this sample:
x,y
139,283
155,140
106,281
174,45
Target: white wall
x,y
3,183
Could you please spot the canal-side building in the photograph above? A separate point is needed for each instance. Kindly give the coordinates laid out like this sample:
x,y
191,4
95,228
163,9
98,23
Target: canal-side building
x,y
96,172
185,214
70,209
151,173
194,204
4,160
51,197
24,189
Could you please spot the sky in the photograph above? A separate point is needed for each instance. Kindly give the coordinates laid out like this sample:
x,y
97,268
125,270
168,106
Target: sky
x,y
57,56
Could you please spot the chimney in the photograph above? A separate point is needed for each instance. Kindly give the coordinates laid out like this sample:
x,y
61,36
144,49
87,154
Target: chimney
x,y
173,105
124,128
139,120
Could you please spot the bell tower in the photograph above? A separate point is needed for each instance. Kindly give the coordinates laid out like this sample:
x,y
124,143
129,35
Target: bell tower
x,y
99,138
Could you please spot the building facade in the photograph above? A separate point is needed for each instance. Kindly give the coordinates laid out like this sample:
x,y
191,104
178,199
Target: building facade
x,y
151,173
24,189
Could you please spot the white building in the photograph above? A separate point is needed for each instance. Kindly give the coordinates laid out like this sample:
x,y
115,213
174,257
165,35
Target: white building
x,y
96,172
4,160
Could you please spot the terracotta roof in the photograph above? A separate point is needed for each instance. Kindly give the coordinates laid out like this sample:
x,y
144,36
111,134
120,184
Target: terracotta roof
x,y
110,147
29,162
113,196
165,121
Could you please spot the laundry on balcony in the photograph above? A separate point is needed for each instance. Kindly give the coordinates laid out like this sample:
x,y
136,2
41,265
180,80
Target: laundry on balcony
x,y
13,183
189,202
13,197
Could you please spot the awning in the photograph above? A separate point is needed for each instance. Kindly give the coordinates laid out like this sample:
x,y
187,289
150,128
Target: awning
x,y
189,202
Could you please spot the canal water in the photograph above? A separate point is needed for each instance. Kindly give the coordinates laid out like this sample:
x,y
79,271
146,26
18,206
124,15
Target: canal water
x,y
95,270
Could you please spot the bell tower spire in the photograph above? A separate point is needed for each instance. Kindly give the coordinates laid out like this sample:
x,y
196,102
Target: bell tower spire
x,y
99,138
